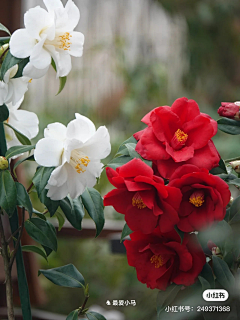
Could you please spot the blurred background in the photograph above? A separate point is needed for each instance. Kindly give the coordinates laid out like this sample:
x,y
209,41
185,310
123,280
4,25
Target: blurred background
x,y
138,55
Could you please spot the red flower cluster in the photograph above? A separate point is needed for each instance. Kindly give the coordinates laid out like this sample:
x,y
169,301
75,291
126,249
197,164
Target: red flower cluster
x,y
178,142
229,110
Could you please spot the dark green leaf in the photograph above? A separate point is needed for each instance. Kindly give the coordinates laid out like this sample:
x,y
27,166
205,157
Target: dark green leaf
x,y
8,192
47,250
23,198
207,274
235,182
180,233
41,178
42,232
93,203
30,158
205,284
226,218
39,214
4,113
14,151
8,63
227,177
126,232
62,80
234,214
229,126
131,150
73,315
3,28
35,249
222,273
21,138
165,298
21,66
74,211
66,276
61,220
119,161
51,205
220,169
94,316
123,145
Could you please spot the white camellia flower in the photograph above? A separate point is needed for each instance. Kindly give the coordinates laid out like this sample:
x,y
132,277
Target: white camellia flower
x,y
75,151
12,89
48,34
25,122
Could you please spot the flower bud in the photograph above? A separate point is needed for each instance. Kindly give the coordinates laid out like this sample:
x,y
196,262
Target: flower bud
x,y
3,163
213,247
235,165
229,110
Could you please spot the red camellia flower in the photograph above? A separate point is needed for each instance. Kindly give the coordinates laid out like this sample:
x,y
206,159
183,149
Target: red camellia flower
x,y
229,110
143,197
204,200
177,135
160,259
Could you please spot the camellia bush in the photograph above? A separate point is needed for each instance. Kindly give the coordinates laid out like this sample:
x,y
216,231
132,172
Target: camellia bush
x,y
170,182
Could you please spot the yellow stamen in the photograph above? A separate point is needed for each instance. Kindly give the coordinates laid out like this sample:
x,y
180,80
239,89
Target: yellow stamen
x,y
30,81
157,260
137,201
65,43
197,199
79,161
181,136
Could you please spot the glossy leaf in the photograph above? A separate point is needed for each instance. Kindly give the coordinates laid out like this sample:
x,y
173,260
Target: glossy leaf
x,y
165,298
42,232
39,214
11,61
14,151
41,178
8,192
230,126
62,80
73,315
126,232
74,211
4,113
93,203
91,315
21,66
51,205
207,274
123,145
21,137
119,161
61,220
220,169
66,276
222,273
235,182
3,28
35,249
23,198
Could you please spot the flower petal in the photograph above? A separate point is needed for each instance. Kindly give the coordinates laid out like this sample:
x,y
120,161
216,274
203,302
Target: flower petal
x,y
16,89
40,57
21,44
62,60
48,152
34,73
59,176
3,92
81,129
53,5
25,122
73,15
77,41
55,131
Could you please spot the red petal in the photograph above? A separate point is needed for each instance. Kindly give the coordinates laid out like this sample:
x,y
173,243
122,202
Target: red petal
x,y
120,199
185,109
134,168
180,155
141,219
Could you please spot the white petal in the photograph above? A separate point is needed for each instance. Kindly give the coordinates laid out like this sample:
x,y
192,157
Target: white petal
x,y
57,193
76,182
98,146
91,125
40,58
52,5
16,106
34,73
58,176
48,152
55,131
10,73
16,89
21,44
62,60
71,144
24,121
73,15
95,167
77,41
81,129
36,20
3,92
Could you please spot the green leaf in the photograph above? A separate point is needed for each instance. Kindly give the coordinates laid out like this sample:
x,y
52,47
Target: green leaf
x,y
220,169
229,126
3,28
41,178
30,158
222,273
205,284
42,232
234,214
61,220
66,276
62,80
47,250
119,161
74,211
165,298
21,66
123,145
9,62
126,232
180,233
93,203
14,151
227,177
23,198
207,274
4,113
39,214
8,192
52,205
94,316
235,182
35,249
131,149
73,315
21,138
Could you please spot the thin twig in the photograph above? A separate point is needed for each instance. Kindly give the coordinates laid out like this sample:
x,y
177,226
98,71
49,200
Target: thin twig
x,y
30,187
12,235
18,240
83,305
